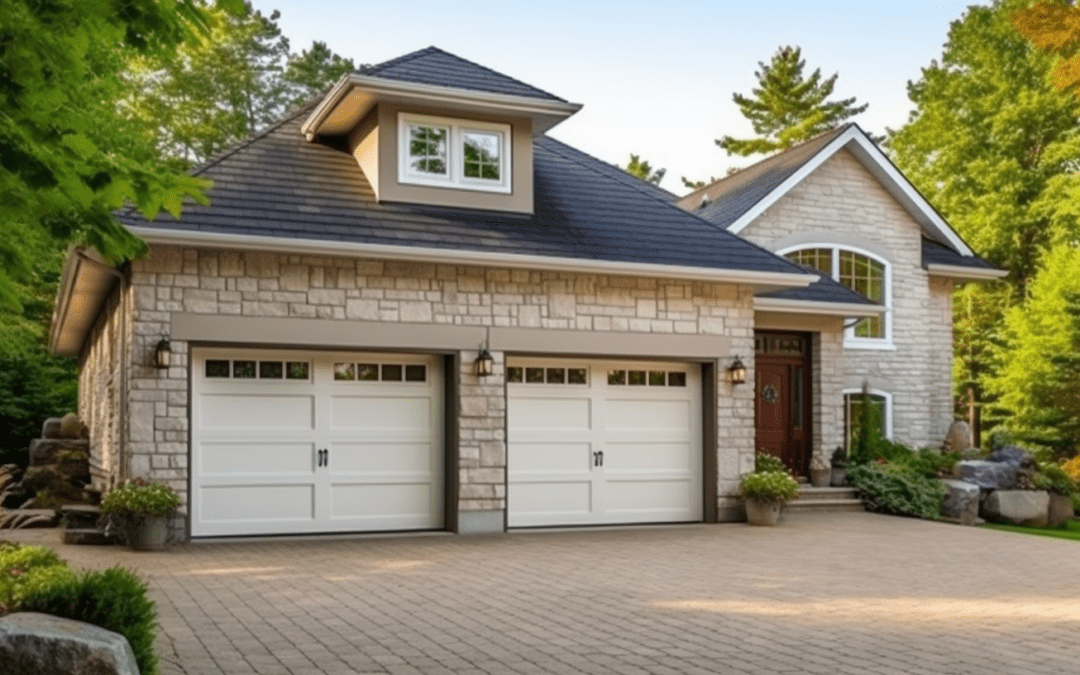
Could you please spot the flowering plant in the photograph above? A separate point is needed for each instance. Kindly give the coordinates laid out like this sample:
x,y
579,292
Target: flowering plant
x,y
769,486
140,498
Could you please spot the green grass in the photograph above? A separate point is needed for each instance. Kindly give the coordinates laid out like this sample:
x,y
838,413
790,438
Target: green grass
x,y
1070,531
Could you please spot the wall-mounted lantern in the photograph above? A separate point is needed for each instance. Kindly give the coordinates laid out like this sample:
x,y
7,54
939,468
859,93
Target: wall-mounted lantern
x,y
163,353
736,373
485,363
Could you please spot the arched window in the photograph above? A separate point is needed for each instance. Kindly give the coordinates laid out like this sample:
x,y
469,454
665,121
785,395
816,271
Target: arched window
x,y
859,406
863,273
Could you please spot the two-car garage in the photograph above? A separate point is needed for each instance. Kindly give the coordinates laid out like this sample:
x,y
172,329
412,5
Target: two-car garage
x,y
290,442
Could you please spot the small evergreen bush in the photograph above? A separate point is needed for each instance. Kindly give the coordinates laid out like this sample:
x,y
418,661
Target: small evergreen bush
x,y
25,568
1053,478
898,490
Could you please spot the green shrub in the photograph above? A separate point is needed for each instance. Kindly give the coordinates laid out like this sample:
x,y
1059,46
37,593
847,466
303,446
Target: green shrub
x,y
927,462
24,569
898,490
770,486
140,498
764,462
114,599
1053,478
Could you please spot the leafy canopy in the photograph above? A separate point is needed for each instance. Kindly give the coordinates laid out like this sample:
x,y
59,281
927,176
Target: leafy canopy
x,y
788,107
642,170
1054,27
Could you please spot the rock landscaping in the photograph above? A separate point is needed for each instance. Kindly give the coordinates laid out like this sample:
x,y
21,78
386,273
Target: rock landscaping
x,y
33,644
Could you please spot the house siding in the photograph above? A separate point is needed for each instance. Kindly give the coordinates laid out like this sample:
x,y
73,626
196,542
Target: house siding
x,y
842,200
174,280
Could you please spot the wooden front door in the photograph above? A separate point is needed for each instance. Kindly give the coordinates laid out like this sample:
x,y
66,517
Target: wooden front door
x,y
782,397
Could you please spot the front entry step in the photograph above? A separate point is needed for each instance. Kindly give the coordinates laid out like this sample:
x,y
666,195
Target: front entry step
x,y
818,500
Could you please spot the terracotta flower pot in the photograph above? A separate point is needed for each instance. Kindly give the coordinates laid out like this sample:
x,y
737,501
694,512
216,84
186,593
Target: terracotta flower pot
x,y
761,512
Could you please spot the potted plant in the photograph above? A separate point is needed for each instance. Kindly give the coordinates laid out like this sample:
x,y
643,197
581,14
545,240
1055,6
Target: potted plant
x,y
839,467
820,472
766,492
139,511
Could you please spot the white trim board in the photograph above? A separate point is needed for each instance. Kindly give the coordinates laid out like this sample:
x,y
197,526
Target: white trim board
x,y
881,168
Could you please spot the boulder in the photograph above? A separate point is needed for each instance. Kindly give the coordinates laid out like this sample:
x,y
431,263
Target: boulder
x,y
1011,454
985,474
959,436
51,428
36,644
50,450
1017,507
961,502
1060,511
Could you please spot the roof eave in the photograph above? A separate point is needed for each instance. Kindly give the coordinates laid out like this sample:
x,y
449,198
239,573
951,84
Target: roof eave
x,y
844,309
85,284
967,273
545,113
760,281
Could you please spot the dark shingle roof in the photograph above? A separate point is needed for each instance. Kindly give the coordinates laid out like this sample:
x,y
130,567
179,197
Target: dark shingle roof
x,y
825,289
939,254
280,185
435,67
731,197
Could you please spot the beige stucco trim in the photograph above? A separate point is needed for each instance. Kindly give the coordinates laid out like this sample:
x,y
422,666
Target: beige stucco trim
x,y
608,344
820,308
761,281
960,272
326,333
815,323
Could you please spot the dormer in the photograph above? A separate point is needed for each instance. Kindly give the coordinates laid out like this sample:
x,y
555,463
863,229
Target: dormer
x,y
432,128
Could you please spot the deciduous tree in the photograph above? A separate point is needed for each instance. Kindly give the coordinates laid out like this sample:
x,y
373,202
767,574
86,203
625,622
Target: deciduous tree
x,y
644,171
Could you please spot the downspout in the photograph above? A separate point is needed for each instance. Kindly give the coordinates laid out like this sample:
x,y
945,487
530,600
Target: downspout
x,y
125,469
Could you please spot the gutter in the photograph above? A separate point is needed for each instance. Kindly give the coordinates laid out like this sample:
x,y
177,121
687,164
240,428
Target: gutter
x,y
962,272
763,281
845,309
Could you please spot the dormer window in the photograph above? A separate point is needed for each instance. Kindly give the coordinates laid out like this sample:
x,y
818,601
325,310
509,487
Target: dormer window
x,y
450,153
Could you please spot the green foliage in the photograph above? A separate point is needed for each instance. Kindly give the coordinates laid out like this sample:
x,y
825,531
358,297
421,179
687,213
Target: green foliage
x,y
26,568
925,462
788,107
114,599
897,489
1055,27
68,160
1038,365
139,498
642,170
770,486
220,90
764,462
1053,478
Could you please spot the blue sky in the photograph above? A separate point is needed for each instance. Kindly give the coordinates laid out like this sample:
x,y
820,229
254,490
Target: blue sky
x,y
656,78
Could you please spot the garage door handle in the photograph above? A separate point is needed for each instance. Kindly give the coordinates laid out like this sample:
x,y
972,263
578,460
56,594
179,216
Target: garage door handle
x,y
598,458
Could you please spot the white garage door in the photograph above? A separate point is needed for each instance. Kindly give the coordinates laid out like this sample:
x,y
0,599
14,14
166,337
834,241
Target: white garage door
x,y
600,442
290,442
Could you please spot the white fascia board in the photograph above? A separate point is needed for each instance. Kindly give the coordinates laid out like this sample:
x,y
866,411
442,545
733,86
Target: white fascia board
x,y
961,272
880,166
762,281
846,309
434,94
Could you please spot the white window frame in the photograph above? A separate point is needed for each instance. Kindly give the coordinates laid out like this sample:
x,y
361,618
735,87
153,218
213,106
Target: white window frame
x,y
852,341
872,392
455,154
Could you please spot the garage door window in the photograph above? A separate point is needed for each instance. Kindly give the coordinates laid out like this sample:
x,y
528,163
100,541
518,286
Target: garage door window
x,y
540,375
249,369
639,378
376,372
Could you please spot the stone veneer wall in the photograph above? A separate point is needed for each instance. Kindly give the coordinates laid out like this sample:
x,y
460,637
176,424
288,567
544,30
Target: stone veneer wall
x,y
827,370
101,388
842,198
189,280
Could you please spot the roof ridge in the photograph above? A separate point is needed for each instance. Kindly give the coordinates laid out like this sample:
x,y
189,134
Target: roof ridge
x,y
771,157
399,59
651,195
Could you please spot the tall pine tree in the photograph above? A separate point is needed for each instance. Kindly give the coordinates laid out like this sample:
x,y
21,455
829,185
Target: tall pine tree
x,y
787,107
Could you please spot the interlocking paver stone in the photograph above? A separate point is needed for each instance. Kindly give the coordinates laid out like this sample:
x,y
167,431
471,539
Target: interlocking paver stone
x,y
822,593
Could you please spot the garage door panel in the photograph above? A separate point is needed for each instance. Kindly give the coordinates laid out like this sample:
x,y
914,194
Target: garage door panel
x,y
399,414
401,501
542,413
647,496
257,503
648,457
633,414
385,458
229,458
524,459
552,497
256,411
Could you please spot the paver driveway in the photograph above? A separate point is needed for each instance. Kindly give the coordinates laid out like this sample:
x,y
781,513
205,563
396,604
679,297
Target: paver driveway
x,y
822,593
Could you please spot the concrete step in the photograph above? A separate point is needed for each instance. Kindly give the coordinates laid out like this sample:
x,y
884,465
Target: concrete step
x,y
79,516
808,493
86,536
823,505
